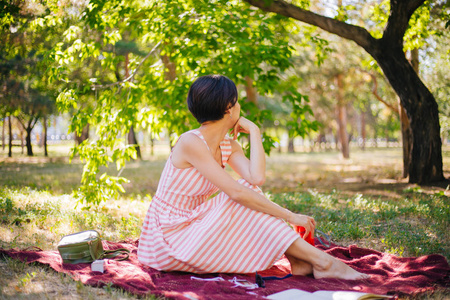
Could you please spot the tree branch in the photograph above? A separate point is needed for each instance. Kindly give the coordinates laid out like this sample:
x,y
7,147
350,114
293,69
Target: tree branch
x,y
129,78
351,32
36,119
375,93
398,21
21,123
30,121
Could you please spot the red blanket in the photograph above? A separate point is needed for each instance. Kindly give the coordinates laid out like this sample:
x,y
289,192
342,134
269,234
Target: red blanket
x,y
390,275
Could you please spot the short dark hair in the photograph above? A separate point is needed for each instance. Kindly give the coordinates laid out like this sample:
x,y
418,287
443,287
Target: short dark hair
x,y
210,96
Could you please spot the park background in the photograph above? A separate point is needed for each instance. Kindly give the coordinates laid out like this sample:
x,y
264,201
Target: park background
x,y
355,122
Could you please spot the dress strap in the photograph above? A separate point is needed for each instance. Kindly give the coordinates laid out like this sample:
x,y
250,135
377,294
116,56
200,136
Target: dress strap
x,y
200,135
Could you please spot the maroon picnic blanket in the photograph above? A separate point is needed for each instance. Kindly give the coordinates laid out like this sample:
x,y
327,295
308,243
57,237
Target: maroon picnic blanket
x,y
390,275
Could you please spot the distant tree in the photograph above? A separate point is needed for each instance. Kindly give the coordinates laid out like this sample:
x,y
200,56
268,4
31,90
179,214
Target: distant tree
x,y
435,68
388,51
26,94
33,107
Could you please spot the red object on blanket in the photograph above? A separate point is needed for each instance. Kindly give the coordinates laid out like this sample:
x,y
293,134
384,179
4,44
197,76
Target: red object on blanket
x,y
301,230
389,275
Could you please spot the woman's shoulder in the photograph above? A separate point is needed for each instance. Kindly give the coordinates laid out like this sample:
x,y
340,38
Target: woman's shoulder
x,y
191,138
190,134
187,145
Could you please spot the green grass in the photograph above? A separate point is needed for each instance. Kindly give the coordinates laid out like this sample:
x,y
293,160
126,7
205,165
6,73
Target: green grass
x,y
38,218
362,201
413,226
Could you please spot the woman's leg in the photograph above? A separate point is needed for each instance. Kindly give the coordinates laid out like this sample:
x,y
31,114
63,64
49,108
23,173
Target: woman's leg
x,y
323,264
298,266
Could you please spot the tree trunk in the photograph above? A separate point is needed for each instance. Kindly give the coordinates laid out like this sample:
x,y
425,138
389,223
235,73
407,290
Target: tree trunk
x,y
3,134
83,136
10,137
414,59
363,131
28,142
44,136
22,144
152,142
404,121
342,118
152,145
422,111
170,72
406,140
291,148
252,95
386,136
133,141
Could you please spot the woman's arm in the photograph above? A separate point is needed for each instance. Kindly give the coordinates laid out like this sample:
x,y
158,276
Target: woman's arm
x,y
193,151
254,169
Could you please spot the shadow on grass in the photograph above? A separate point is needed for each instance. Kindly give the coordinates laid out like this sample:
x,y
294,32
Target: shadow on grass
x,y
416,225
377,172
58,176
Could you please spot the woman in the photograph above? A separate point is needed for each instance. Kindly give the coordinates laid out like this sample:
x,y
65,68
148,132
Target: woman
x,y
189,228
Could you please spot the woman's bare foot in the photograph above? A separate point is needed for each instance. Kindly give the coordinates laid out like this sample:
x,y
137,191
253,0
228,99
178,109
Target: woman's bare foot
x,y
334,268
299,267
323,264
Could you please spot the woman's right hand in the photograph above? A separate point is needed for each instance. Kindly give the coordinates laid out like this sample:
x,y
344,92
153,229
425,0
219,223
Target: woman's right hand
x,y
243,125
304,221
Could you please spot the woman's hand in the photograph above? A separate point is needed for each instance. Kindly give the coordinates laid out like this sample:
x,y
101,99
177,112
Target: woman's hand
x,y
245,126
304,221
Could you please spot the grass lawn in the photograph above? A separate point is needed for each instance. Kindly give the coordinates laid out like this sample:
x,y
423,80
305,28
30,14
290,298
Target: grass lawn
x,y
361,201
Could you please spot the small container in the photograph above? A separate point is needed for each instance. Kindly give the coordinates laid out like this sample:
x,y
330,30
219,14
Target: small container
x,y
301,231
98,265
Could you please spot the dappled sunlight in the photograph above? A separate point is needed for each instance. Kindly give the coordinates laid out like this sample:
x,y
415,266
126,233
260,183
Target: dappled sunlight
x,y
347,168
351,180
366,207
374,172
326,171
335,185
37,218
34,159
6,234
126,207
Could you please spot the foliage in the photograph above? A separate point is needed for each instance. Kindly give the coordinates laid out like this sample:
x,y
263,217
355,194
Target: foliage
x,y
25,92
187,39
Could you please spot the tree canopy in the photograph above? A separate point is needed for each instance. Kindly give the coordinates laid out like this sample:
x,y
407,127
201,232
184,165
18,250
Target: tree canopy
x,y
121,65
132,67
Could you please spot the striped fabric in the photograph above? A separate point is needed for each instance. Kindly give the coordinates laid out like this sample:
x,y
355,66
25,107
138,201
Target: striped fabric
x,y
187,230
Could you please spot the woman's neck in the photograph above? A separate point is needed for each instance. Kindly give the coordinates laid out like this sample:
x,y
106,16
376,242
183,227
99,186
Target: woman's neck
x,y
214,132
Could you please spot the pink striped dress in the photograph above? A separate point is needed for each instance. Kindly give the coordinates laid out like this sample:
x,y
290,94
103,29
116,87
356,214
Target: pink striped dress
x,y
186,229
